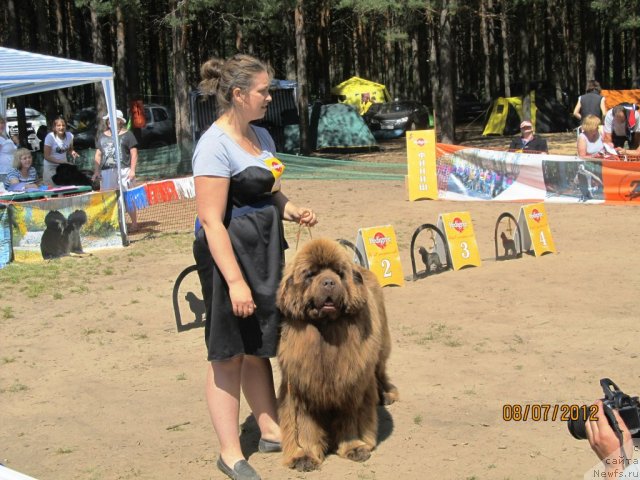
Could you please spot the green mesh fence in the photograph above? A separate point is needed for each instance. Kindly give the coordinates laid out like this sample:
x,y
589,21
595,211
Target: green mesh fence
x,y
178,216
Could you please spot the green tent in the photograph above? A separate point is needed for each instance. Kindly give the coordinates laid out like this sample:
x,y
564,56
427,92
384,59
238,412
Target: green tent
x,y
334,126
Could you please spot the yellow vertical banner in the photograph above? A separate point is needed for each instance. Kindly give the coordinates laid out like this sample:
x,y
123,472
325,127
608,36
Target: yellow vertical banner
x,y
422,180
379,248
534,223
461,238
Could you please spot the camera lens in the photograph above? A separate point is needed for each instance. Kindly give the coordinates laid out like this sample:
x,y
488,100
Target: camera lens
x,y
577,428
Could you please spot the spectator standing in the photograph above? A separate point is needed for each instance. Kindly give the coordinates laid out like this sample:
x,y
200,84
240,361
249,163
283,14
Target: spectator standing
x,y
591,103
105,163
527,141
57,144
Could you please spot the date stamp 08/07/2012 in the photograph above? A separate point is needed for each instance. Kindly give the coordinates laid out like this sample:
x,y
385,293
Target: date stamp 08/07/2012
x,y
545,412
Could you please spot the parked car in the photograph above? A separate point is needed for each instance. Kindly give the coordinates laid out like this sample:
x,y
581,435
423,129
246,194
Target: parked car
x,y
393,119
159,129
35,120
469,107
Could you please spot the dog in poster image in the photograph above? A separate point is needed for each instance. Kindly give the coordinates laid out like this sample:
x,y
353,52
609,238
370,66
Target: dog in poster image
x,y
333,351
62,235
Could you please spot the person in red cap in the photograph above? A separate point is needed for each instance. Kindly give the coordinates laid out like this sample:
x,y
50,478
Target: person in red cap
x,y
527,141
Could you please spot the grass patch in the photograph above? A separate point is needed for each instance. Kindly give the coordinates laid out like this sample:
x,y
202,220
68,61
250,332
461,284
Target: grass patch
x,y
64,451
181,377
417,419
439,333
7,312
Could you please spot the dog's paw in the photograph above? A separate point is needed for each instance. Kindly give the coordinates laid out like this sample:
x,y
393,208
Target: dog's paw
x,y
359,454
390,396
304,464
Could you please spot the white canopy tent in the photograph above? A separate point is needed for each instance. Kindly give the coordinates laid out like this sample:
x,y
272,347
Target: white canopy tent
x,y
24,73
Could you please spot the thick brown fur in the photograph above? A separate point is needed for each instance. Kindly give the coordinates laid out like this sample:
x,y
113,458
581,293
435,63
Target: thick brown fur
x,y
333,352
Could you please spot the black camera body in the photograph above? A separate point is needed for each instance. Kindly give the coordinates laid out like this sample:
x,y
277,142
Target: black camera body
x,y
614,399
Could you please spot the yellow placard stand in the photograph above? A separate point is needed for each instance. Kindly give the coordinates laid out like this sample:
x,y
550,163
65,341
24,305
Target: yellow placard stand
x,y
534,224
422,179
379,249
458,230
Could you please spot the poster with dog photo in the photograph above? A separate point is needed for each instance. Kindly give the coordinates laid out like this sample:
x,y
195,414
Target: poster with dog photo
x,y
44,230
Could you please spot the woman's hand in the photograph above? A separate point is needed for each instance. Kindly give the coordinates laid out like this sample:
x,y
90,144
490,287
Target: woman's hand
x,y
306,216
241,299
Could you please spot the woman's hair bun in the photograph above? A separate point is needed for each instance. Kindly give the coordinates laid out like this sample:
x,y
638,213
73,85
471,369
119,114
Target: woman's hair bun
x,y
210,73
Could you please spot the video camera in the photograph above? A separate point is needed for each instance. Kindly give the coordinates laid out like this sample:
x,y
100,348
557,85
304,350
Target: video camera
x,y
614,399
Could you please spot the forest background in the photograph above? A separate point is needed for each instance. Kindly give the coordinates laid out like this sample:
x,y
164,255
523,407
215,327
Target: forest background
x,y
428,50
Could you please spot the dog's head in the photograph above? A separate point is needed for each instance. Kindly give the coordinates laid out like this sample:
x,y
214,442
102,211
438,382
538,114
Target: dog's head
x,y
55,220
322,283
503,236
77,218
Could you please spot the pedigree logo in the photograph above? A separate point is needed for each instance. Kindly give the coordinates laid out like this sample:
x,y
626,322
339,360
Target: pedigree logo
x,y
420,142
458,225
379,240
536,215
277,166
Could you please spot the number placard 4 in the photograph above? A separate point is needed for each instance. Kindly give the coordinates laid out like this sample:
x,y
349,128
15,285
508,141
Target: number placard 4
x,y
534,222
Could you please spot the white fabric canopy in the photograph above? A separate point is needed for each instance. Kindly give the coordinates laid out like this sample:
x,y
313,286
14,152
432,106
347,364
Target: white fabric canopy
x,y
24,73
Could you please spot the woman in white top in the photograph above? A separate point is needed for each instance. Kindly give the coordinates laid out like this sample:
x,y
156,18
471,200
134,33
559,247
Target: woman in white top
x,y
57,144
590,142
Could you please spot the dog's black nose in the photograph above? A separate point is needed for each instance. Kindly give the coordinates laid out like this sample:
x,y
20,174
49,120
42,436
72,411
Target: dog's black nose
x,y
328,283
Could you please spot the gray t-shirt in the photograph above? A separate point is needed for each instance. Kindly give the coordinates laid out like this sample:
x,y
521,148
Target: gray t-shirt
x,y
106,146
217,154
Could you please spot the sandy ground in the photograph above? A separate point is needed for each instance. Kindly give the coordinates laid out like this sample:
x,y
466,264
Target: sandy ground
x,y
97,383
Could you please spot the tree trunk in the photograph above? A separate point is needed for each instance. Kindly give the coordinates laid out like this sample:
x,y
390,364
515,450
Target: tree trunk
x,y
60,51
486,24
303,97
433,66
448,134
98,57
504,31
180,94
323,49
633,59
553,54
120,68
525,75
11,25
133,74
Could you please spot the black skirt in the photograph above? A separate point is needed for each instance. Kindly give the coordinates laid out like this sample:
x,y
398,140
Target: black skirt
x,y
257,238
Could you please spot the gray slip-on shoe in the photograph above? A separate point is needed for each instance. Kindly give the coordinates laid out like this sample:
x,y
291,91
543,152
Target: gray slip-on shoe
x,y
240,471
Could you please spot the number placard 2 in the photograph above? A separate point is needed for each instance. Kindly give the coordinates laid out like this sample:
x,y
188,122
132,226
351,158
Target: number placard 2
x,y
461,238
379,248
534,223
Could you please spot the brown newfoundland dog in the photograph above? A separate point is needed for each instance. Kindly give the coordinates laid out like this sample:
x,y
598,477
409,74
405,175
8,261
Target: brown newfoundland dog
x,y
334,347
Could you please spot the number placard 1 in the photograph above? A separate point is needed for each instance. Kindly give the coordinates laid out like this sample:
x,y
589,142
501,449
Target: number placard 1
x,y
379,248
458,230
534,222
